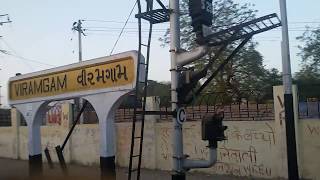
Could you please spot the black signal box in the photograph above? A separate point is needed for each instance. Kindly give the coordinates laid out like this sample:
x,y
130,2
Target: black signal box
x,y
201,12
213,129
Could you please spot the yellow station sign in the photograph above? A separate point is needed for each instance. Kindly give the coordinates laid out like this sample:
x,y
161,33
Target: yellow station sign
x,y
91,77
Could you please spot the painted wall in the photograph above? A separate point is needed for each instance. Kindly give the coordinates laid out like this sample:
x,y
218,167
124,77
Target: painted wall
x,y
8,147
309,144
253,148
247,152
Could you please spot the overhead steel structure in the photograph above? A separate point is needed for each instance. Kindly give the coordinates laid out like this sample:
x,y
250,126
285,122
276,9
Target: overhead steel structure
x,y
184,90
153,16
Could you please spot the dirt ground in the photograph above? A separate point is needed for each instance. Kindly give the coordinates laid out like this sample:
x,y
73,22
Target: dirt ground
x,y
18,169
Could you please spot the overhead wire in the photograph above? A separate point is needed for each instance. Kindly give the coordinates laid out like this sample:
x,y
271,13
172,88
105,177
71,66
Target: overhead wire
x,y
124,26
17,55
133,22
130,31
117,28
104,21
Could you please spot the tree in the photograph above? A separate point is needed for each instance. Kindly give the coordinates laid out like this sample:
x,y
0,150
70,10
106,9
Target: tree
x,y
161,89
310,51
308,81
226,14
272,78
308,78
245,74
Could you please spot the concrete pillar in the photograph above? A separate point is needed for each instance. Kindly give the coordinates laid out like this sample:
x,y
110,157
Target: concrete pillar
x,y
15,124
153,104
105,106
149,139
280,127
34,114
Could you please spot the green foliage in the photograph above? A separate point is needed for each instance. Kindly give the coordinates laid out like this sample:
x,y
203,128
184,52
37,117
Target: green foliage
x,y
308,78
310,51
245,75
308,81
161,89
226,14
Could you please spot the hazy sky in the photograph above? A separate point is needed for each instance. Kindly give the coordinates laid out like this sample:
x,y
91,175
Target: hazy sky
x,y
40,35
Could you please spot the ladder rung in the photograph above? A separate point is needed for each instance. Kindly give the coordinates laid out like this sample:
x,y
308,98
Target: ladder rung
x,y
137,137
257,26
133,170
264,24
143,64
271,21
244,30
155,16
250,27
145,45
135,156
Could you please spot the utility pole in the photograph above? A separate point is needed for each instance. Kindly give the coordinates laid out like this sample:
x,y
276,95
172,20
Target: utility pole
x,y
1,24
77,26
179,58
293,171
179,173
3,51
0,97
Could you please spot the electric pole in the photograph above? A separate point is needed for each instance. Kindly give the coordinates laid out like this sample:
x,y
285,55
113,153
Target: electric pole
x,y
3,51
179,173
293,171
0,96
77,26
2,22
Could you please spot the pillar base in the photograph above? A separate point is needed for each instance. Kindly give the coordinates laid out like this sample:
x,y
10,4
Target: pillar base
x,y
179,176
108,167
35,165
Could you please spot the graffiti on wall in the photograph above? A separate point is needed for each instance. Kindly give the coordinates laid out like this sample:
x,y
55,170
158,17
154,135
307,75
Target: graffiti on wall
x,y
54,115
247,152
251,135
312,130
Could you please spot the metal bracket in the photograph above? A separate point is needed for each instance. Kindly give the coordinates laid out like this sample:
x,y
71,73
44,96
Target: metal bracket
x,y
187,57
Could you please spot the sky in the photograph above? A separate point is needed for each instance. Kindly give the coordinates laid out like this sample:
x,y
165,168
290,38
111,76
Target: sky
x,y
40,35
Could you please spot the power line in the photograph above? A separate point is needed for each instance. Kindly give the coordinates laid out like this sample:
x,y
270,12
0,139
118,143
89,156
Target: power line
x,y
124,26
104,21
133,22
304,22
116,28
113,29
112,21
31,60
15,54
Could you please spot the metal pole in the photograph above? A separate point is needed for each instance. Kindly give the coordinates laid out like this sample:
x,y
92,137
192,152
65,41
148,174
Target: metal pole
x,y
293,171
0,95
79,38
178,171
80,60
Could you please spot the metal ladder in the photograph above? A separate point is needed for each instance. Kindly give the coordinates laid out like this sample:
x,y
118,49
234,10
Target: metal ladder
x,y
153,17
244,30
